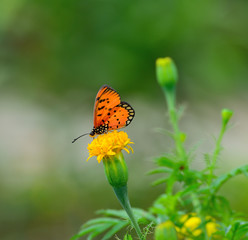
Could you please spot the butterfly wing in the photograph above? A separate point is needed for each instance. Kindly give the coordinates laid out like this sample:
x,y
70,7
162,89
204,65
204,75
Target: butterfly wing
x,y
120,116
106,99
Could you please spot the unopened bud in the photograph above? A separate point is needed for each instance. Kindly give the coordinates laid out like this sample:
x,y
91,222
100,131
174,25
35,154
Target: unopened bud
x,y
166,72
226,115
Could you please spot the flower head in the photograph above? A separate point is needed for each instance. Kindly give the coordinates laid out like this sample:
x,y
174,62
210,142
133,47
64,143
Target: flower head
x,y
109,144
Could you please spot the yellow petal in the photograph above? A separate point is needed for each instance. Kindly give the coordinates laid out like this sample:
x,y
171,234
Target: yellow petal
x,y
126,150
109,144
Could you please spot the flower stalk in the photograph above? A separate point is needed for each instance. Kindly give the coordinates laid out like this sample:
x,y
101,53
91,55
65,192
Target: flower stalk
x,y
167,77
117,175
122,196
107,148
226,116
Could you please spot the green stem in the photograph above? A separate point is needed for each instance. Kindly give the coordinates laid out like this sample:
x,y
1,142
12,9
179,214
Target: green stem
x,y
121,194
217,151
170,98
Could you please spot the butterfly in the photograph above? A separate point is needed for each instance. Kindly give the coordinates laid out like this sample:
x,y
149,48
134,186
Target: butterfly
x,y
110,113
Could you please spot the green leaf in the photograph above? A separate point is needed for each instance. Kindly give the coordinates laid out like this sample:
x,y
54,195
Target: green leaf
x,y
113,213
98,231
140,213
160,170
128,237
100,220
158,209
160,181
217,183
97,228
238,230
118,219
115,229
166,162
242,231
187,190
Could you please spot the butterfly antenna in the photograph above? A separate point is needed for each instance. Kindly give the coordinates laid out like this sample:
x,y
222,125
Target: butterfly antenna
x,y
79,137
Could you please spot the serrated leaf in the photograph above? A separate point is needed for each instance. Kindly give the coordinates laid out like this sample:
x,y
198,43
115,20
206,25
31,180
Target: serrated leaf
x,y
115,229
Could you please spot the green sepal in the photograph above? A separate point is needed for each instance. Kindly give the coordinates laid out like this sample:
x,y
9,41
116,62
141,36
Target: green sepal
x,y
116,170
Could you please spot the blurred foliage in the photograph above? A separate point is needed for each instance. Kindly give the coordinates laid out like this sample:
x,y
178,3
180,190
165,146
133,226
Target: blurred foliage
x,y
63,47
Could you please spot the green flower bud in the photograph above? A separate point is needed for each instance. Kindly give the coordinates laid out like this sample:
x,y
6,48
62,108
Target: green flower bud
x,y
165,230
226,115
166,72
116,170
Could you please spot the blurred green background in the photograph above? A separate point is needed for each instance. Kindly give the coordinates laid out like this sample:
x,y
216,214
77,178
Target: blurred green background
x,y
55,55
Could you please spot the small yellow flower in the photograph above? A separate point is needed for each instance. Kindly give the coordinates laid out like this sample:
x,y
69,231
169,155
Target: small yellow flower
x,y
191,226
109,144
191,223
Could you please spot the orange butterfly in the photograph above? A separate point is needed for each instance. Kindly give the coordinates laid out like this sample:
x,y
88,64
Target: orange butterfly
x,y
110,112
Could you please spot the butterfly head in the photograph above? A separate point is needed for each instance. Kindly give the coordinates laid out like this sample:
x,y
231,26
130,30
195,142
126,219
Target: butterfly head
x,y
99,130
92,133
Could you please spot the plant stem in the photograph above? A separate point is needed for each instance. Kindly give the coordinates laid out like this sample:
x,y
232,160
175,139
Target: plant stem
x,y
217,151
121,194
170,98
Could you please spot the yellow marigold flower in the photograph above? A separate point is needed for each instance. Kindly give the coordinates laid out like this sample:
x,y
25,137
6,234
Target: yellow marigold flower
x,y
109,144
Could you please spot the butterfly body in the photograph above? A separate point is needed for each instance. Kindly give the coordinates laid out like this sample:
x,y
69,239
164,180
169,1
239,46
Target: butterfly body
x,y
98,130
